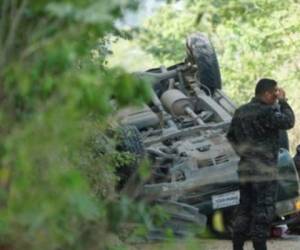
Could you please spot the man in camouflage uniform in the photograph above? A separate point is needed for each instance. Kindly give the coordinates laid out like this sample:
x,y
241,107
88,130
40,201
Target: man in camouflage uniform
x,y
254,134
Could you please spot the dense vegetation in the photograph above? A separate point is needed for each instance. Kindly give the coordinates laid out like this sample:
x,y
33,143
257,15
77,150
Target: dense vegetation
x,y
56,185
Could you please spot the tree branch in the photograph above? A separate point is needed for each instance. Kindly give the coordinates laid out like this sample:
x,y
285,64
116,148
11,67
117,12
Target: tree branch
x,y
40,39
3,17
10,41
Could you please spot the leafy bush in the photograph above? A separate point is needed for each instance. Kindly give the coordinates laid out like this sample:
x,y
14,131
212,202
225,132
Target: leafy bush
x,y
54,97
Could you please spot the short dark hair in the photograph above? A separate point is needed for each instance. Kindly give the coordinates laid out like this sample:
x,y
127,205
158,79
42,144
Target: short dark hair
x,y
264,85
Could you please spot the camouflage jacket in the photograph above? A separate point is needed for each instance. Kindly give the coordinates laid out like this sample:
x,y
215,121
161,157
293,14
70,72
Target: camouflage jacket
x,y
255,126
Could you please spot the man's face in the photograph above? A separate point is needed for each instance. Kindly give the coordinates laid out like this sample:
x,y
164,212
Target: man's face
x,y
271,96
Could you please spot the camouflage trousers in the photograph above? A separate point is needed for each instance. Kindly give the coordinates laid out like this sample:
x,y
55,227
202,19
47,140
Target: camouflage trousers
x,y
257,207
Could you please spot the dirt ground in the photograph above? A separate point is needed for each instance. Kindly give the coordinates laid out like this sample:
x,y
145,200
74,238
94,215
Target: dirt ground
x,y
291,243
272,245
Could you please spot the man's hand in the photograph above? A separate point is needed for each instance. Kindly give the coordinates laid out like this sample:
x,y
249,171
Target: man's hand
x,y
280,94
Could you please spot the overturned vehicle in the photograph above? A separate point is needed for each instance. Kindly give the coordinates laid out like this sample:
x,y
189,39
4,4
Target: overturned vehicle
x,y
182,132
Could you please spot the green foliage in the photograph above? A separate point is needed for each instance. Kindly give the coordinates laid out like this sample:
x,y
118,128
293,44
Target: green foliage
x,y
56,97
252,38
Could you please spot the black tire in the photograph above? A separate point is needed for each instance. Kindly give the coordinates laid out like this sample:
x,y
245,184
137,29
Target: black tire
x,y
202,53
131,142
